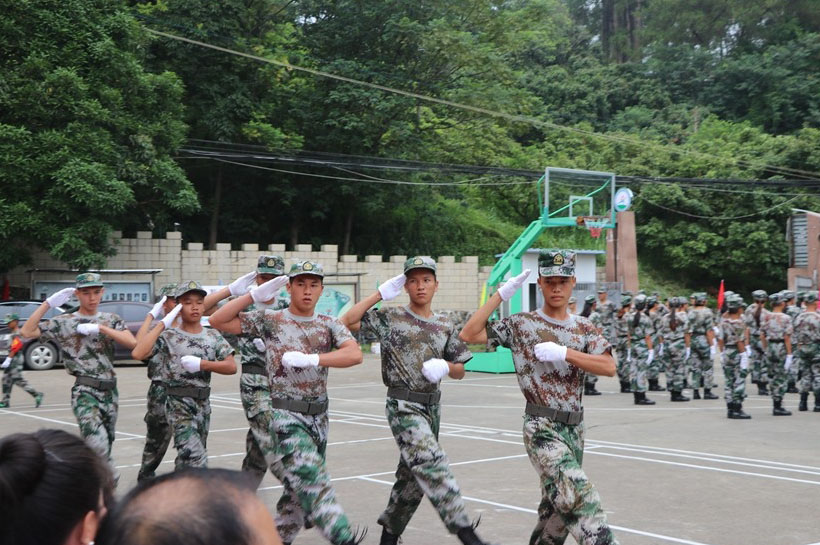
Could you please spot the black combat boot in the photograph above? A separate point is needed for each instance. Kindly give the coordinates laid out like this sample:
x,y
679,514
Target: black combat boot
x,y
792,389
816,402
695,394
654,386
739,414
640,399
730,409
707,394
778,409
625,387
589,390
761,388
468,536
804,402
678,396
388,538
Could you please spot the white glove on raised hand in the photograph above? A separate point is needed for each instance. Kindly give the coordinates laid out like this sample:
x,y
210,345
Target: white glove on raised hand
x,y
550,351
789,359
241,285
88,329
749,351
6,363
60,297
687,353
157,310
191,364
650,356
744,361
269,289
168,321
512,285
392,288
259,344
712,351
300,359
435,369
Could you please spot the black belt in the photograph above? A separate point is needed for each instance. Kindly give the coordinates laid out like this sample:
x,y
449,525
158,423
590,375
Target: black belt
x,y
299,406
103,384
158,383
565,417
775,340
253,369
730,345
403,394
194,393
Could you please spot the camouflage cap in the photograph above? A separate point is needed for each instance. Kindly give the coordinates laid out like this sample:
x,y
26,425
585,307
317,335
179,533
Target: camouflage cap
x,y
187,286
556,263
700,298
589,299
626,300
641,292
89,280
601,290
420,262
760,295
810,297
625,293
270,264
776,298
640,301
11,318
572,300
652,300
788,295
168,290
306,267
734,302
801,296
693,295
675,301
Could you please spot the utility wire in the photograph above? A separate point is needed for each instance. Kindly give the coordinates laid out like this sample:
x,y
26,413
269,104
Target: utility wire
x,y
719,218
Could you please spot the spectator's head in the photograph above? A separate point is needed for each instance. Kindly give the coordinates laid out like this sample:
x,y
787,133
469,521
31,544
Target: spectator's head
x,y
53,489
191,507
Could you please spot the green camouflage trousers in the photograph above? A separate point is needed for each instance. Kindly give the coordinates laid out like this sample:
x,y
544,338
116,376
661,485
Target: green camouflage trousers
x,y
638,368
260,445
674,351
299,464
654,369
158,432
776,369
14,375
700,362
189,420
810,375
570,504
96,414
423,469
622,366
734,388
757,361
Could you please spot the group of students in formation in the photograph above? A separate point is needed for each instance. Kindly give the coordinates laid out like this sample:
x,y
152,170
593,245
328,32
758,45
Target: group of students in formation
x,y
780,347
285,351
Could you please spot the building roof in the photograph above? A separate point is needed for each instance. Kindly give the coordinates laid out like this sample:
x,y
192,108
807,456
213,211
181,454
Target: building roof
x,y
582,252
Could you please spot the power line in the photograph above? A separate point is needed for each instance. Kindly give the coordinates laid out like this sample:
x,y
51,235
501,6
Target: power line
x,y
719,218
493,113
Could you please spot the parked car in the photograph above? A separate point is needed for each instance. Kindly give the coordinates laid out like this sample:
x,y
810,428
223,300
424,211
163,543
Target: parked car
x,y
44,354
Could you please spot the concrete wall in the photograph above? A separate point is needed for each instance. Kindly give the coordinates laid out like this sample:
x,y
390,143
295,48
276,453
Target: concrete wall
x,y
806,278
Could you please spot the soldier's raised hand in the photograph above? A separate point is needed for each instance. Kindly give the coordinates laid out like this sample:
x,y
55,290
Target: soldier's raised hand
x,y
269,289
259,344
241,285
157,310
392,288
508,288
88,329
435,369
168,321
300,359
60,297
192,364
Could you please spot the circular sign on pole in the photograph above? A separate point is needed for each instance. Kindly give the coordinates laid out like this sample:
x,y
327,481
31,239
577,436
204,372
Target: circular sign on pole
x,y
623,199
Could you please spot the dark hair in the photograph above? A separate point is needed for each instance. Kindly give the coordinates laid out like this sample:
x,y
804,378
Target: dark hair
x,y
587,309
210,512
637,319
758,310
49,481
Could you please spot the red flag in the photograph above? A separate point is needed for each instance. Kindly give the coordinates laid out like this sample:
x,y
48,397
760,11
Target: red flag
x,y
720,296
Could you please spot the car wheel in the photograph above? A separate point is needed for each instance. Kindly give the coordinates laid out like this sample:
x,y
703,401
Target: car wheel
x,y
41,356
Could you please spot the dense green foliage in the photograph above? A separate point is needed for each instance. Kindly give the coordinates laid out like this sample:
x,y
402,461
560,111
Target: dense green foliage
x,y
693,89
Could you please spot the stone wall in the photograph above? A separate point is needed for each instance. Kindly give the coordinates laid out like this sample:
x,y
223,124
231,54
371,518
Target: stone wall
x,y
460,281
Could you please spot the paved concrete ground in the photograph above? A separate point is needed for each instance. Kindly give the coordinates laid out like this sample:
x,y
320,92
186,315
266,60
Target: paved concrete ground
x,y
672,473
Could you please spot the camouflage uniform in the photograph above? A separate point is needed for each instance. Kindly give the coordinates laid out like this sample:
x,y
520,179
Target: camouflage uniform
x,y
13,374
793,311
189,416
300,444
595,317
775,328
569,502
639,369
658,362
607,310
732,331
807,338
674,346
407,341
757,361
89,356
701,320
622,346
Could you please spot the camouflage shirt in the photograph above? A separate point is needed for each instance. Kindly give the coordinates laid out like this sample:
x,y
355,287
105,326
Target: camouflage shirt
x,y
553,384
749,318
776,326
794,311
701,320
408,340
656,318
681,327
807,329
88,355
643,328
282,332
622,325
607,310
174,343
732,330
595,318
248,353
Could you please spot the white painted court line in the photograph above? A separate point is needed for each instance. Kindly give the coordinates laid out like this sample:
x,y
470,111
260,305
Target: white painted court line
x,y
62,422
535,512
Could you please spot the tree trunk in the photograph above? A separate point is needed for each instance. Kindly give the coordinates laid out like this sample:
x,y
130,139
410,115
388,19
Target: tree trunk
x,y
294,234
213,231
348,232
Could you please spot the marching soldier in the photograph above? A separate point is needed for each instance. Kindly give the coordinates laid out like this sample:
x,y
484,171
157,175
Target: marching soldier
x,y
607,309
734,358
551,350
640,335
418,349
658,361
807,337
622,349
675,337
591,311
704,347
13,365
754,316
87,338
775,337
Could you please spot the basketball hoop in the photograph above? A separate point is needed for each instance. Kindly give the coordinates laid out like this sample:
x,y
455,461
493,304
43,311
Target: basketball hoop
x,y
595,224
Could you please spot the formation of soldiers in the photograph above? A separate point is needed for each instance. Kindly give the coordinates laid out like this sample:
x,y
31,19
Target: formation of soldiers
x,y
285,350
779,347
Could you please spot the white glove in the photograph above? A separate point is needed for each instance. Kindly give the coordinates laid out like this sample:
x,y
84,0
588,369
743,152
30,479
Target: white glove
x,y
550,351
241,285
744,361
168,321
269,289
512,285
157,310
6,363
60,297
712,350
789,359
687,353
749,351
392,288
723,358
259,344
300,359
435,369
191,363
716,329
650,356
88,329
660,351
